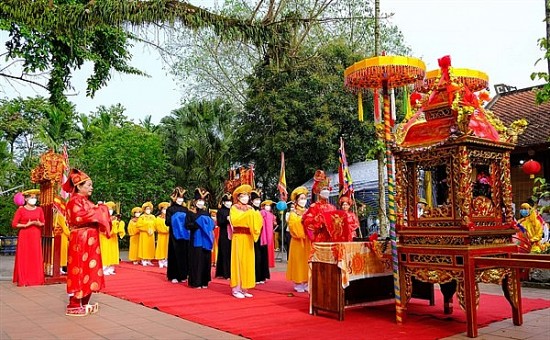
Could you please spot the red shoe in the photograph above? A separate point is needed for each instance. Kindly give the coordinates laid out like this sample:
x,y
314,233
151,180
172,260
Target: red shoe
x,y
76,311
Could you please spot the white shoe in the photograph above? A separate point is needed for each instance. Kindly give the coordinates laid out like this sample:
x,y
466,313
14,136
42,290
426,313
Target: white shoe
x,y
247,294
175,281
135,262
306,287
238,295
299,288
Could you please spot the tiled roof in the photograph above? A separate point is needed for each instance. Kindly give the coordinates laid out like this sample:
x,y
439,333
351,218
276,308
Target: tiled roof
x,y
514,105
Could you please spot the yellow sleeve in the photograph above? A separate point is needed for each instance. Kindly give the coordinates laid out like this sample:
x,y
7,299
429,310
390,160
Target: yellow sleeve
x,y
249,218
534,227
160,225
132,228
295,226
121,231
142,224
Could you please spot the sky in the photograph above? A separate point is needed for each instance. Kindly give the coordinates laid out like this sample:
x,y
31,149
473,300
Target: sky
x,y
498,37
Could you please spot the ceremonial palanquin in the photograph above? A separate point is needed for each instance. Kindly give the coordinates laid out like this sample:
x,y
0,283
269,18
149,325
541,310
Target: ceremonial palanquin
x,y
48,175
455,156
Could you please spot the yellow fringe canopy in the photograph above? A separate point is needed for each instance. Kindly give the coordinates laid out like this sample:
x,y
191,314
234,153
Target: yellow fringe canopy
x,y
395,71
475,80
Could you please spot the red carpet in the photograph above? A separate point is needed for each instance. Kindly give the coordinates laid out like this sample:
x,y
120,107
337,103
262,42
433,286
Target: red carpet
x,y
275,311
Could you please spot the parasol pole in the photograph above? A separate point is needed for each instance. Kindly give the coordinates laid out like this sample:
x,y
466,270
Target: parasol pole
x,y
391,202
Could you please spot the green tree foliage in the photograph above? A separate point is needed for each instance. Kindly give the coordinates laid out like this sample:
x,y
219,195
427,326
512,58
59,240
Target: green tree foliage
x,y
208,67
19,120
60,35
197,140
303,112
127,165
543,94
7,207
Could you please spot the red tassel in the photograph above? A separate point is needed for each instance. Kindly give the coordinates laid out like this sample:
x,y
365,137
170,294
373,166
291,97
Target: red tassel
x,y
444,62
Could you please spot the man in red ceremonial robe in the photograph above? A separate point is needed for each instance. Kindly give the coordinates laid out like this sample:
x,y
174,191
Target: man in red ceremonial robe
x,y
84,267
314,218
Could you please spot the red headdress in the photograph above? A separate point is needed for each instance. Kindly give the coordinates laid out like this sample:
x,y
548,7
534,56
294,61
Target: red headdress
x,y
320,181
75,178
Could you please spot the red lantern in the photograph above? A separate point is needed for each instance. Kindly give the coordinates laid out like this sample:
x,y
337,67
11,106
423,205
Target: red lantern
x,y
531,167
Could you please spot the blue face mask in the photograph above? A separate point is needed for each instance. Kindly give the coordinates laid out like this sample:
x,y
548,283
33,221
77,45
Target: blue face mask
x,y
524,212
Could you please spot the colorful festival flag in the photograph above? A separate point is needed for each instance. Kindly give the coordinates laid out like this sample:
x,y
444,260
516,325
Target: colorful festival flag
x,y
283,193
344,176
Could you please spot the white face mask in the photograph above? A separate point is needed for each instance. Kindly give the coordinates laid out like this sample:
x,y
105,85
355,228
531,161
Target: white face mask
x,y
137,214
227,204
302,202
267,208
164,211
111,212
257,202
244,199
200,204
179,200
32,201
148,211
324,193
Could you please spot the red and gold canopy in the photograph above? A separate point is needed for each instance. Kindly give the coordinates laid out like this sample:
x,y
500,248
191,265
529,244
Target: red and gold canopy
x,y
390,71
473,79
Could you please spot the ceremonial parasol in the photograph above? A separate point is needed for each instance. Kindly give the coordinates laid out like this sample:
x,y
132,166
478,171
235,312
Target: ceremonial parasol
x,y
473,79
386,72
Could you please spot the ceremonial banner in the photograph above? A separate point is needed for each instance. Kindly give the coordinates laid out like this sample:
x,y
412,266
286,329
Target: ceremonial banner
x,y
283,193
345,184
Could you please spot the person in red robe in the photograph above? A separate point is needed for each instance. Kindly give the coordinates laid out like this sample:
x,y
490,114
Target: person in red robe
x,y
29,262
314,218
84,267
351,220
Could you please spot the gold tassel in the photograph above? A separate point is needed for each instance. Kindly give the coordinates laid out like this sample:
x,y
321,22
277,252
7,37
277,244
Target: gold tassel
x,y
360,105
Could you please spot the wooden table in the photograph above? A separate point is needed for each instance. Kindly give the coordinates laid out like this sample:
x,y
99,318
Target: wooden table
x,y
352,274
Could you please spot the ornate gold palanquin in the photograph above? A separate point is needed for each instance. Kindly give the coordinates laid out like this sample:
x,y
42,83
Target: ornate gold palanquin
x,y
455,156
48,174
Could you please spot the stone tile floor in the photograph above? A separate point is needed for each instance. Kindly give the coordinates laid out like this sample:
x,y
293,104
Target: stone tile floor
x,y
34,313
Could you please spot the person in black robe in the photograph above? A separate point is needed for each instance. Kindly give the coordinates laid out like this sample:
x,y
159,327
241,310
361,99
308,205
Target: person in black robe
x,y
201,226
178,241
256,201
223,262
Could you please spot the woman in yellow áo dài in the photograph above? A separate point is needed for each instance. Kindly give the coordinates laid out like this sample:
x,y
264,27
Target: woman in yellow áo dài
x,y
246,226
133,232
161,251
110,254
146,227
300,245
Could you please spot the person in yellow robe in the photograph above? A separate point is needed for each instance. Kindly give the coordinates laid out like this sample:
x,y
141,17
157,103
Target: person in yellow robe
x,y
110,254
530,222
300,245
133,232
146,226
246,225
163,233
60,221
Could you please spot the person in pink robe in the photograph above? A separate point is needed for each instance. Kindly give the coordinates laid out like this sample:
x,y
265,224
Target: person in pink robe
x,y
29,263
266,237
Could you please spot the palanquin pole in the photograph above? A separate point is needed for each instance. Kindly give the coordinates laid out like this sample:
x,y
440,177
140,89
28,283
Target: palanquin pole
x,y
387,72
